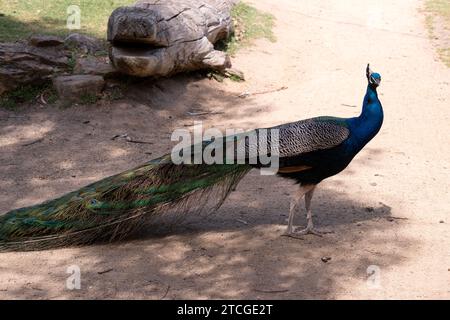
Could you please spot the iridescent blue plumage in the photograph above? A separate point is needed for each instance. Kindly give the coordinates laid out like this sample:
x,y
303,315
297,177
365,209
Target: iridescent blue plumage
x,y
367,125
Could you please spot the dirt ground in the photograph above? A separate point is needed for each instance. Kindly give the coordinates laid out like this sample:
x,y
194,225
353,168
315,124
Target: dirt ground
x,y
389,209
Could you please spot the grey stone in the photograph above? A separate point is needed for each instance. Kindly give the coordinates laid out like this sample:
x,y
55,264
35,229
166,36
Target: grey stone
x,y
75,87
22,64
95,66
45,41
83,43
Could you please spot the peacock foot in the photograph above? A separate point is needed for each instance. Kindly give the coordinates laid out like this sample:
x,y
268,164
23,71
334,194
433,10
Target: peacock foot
x,y
292,234
308,230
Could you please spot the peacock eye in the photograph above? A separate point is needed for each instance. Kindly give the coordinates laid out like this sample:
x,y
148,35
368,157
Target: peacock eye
x,y
93,202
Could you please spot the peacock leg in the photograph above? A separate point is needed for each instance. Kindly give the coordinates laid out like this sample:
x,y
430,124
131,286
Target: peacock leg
x,y
310,226
293,208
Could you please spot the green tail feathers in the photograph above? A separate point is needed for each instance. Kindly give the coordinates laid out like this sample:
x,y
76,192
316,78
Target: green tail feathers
x,y
117,206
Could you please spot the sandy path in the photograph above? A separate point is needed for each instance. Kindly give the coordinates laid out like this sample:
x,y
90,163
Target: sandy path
x,y
389,209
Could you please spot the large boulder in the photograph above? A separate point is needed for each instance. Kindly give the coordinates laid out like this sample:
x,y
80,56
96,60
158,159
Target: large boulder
x,y
159,38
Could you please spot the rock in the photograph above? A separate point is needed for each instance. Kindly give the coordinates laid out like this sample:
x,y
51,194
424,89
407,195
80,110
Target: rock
x,y
22,64
83,43
160,38
45,41
325,259
234,73
95,66
75,88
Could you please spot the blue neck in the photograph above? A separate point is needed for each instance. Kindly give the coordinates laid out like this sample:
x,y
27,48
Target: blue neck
x,y
367,125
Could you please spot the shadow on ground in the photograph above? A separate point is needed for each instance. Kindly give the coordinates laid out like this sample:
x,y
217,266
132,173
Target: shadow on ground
x,y
236,253
11,27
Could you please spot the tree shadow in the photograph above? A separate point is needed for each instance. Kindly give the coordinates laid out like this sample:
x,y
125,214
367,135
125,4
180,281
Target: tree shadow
x,y
20,21
11,27
222,258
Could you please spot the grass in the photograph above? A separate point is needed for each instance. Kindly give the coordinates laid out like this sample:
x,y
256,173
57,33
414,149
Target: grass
x,y
441,7
438,23
114,94
88,98
26,94
72,62
250,24
21,18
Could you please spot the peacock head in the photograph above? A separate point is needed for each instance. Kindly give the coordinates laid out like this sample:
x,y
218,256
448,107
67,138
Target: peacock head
x,y
373,77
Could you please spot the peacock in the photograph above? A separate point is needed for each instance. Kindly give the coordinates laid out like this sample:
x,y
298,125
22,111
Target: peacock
x,y
310,151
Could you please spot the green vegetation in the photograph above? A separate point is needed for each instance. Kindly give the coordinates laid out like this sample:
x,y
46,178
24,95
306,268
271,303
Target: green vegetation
x,y
11,100
72,62
114,94
438,22
21,18
87,98
441,7
250,24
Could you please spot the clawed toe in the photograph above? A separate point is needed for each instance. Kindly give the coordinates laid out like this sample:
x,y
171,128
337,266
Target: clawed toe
x,y
311,230
292,235
306,231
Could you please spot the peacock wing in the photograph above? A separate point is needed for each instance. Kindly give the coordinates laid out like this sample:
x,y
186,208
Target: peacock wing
x,y
310,135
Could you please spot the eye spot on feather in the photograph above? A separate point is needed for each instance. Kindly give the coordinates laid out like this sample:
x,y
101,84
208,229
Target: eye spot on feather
x,y
93,204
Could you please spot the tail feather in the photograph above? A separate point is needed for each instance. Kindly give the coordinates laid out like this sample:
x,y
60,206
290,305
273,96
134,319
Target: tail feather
x,y
117,206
